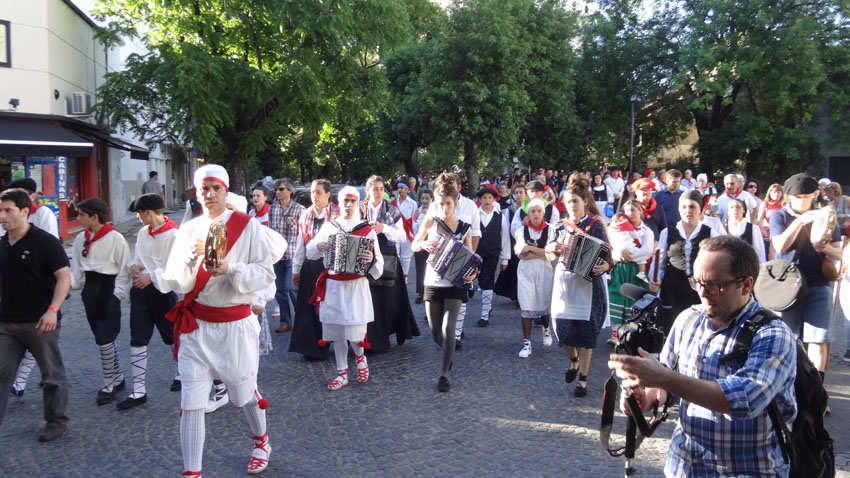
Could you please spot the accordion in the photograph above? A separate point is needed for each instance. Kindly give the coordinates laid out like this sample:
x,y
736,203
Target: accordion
x,y
453,261
343,257
582,253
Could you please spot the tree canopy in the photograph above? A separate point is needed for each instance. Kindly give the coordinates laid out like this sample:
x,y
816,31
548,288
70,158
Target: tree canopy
x,y
347,88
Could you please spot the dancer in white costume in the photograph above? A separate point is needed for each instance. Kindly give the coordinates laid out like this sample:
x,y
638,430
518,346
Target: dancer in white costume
x,y
344,300
216,335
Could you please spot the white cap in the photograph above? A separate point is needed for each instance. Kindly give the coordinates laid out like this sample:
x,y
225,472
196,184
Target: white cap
x,y
347,191
824,182
211,172
240,203
536,202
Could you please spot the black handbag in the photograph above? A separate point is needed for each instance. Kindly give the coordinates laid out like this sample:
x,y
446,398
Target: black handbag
x,y
780,283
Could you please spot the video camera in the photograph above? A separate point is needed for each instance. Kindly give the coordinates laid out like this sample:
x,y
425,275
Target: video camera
x,y
640,330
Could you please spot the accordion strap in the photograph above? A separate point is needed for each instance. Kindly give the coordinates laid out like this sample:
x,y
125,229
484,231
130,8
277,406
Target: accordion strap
x,y
462,227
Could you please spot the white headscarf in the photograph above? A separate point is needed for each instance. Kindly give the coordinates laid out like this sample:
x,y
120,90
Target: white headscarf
x,y
240,203
212,172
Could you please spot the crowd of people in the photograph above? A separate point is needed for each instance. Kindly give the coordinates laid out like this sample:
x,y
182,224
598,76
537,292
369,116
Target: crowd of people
x,y
696,248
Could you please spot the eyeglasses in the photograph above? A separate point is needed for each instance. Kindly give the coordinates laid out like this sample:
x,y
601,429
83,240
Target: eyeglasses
x,y
752,186
711,288
282,189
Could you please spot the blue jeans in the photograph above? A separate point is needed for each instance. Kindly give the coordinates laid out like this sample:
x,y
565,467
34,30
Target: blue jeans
x,y
286,292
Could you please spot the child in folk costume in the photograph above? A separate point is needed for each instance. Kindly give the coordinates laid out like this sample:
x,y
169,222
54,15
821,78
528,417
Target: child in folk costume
x,y
494,248
260,211
216,335
407,207
99,260
632,243
43,218
425,198
534,274
443,300
306,328
578,306
151,297
344,300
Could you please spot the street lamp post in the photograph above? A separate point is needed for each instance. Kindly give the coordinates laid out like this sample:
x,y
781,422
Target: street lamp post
x,y
636,98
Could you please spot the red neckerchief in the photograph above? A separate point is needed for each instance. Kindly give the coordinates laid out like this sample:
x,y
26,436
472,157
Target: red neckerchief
x,y
91,240
262,212
169,224
539,228
772,205
307,224
651,207
182,314
736,195
318,296
623,225
34,207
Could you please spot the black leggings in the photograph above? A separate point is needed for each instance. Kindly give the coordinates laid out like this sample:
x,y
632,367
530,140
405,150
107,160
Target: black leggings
x,y
442,317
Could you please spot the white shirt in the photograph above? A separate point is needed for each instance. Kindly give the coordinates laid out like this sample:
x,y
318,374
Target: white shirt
x,y
407,207
723,203
617,185
43,218
689,184
151,254
346,302
108,255
300,246
393,232
249,264
485,218
757,239
466,211
624,241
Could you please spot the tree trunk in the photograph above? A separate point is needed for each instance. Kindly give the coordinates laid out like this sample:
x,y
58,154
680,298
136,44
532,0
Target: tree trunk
x,y
470,162
411,166
236,171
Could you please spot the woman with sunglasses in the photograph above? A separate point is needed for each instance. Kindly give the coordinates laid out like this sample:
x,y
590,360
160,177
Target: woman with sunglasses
x,y
752,187
99,265
679,245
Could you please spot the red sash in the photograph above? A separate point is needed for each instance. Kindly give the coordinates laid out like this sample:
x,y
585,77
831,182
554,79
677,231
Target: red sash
x,y
184,313
318,296
407,223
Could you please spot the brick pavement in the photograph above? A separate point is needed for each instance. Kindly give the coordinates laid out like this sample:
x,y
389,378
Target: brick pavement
x,y
504,416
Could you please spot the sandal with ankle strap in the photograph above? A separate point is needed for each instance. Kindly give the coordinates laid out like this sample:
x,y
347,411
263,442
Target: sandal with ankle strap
x,y
362,368
340,381
572,372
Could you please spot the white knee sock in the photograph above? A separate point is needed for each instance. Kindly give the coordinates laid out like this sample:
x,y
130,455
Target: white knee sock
x,y
176,368
486,303
118,373
192,436
460,317
139,366
24,371
256,415
107,362
358,350
341,354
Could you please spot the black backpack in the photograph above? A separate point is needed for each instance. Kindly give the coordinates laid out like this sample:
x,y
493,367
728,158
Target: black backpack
x,y
808,447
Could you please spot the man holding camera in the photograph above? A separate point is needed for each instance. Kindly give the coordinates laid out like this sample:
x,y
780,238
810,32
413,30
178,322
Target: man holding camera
x,y
724,428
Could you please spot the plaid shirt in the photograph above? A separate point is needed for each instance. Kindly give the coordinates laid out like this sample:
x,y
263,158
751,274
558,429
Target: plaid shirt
x,y
743,443
285,222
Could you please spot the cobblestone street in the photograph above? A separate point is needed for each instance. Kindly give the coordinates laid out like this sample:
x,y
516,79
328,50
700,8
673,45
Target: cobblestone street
x,y
504,416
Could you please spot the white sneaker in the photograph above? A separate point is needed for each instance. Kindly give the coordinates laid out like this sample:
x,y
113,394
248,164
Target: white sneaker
x,y
642,276
217,402
526,349
547,337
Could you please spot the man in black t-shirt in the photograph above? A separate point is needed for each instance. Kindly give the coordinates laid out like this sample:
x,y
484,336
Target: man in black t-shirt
x,y
35,276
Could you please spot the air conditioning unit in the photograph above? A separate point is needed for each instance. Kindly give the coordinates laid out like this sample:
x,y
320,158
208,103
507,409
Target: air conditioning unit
x,y
79,103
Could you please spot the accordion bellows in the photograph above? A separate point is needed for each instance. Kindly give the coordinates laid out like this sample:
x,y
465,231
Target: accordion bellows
x,y
343,257
453,261
582,253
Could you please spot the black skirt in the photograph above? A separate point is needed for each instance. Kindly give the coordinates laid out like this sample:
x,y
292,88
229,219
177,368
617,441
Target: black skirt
x,y
441,293
393,314
306,327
